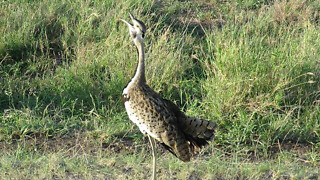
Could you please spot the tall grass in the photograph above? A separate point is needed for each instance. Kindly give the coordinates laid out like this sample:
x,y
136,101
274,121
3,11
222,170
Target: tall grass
x,y
252,67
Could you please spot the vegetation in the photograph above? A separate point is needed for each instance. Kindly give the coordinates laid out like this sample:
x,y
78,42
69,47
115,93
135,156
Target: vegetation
x,y
251,66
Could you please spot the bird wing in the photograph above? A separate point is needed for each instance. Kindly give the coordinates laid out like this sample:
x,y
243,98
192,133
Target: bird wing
x,y
151,114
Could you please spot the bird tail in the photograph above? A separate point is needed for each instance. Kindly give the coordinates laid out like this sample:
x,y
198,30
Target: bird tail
x,y
198,131
195,133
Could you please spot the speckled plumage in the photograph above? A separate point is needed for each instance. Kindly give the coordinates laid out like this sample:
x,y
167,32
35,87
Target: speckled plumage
x,y
155,118
160,118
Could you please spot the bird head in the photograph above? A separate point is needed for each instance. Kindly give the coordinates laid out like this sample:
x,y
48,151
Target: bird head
x,y
137,29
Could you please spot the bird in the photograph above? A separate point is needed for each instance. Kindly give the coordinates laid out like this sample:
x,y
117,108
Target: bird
x,y
158,118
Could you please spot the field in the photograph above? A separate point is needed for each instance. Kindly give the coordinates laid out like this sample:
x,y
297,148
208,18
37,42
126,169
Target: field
x,y
253,67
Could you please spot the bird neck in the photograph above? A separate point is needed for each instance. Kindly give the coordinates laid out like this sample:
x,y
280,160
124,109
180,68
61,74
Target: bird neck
x,y
139,76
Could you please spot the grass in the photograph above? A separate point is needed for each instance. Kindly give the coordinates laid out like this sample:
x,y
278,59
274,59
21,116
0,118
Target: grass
x,y
252,67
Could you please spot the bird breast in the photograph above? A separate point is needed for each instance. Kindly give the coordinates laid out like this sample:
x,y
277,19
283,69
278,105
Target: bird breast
x,y
140,119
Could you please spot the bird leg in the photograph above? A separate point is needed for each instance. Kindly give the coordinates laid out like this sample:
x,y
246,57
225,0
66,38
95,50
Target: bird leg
x,y
153,147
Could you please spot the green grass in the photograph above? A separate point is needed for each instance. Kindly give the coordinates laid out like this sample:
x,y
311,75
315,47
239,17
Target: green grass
x,y
250,66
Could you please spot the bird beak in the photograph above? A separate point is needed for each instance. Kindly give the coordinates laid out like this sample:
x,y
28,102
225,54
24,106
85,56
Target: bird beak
x,y
132,17
126,22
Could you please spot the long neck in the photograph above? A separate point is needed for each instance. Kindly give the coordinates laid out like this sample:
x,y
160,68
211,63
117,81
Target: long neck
x,y
140,77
